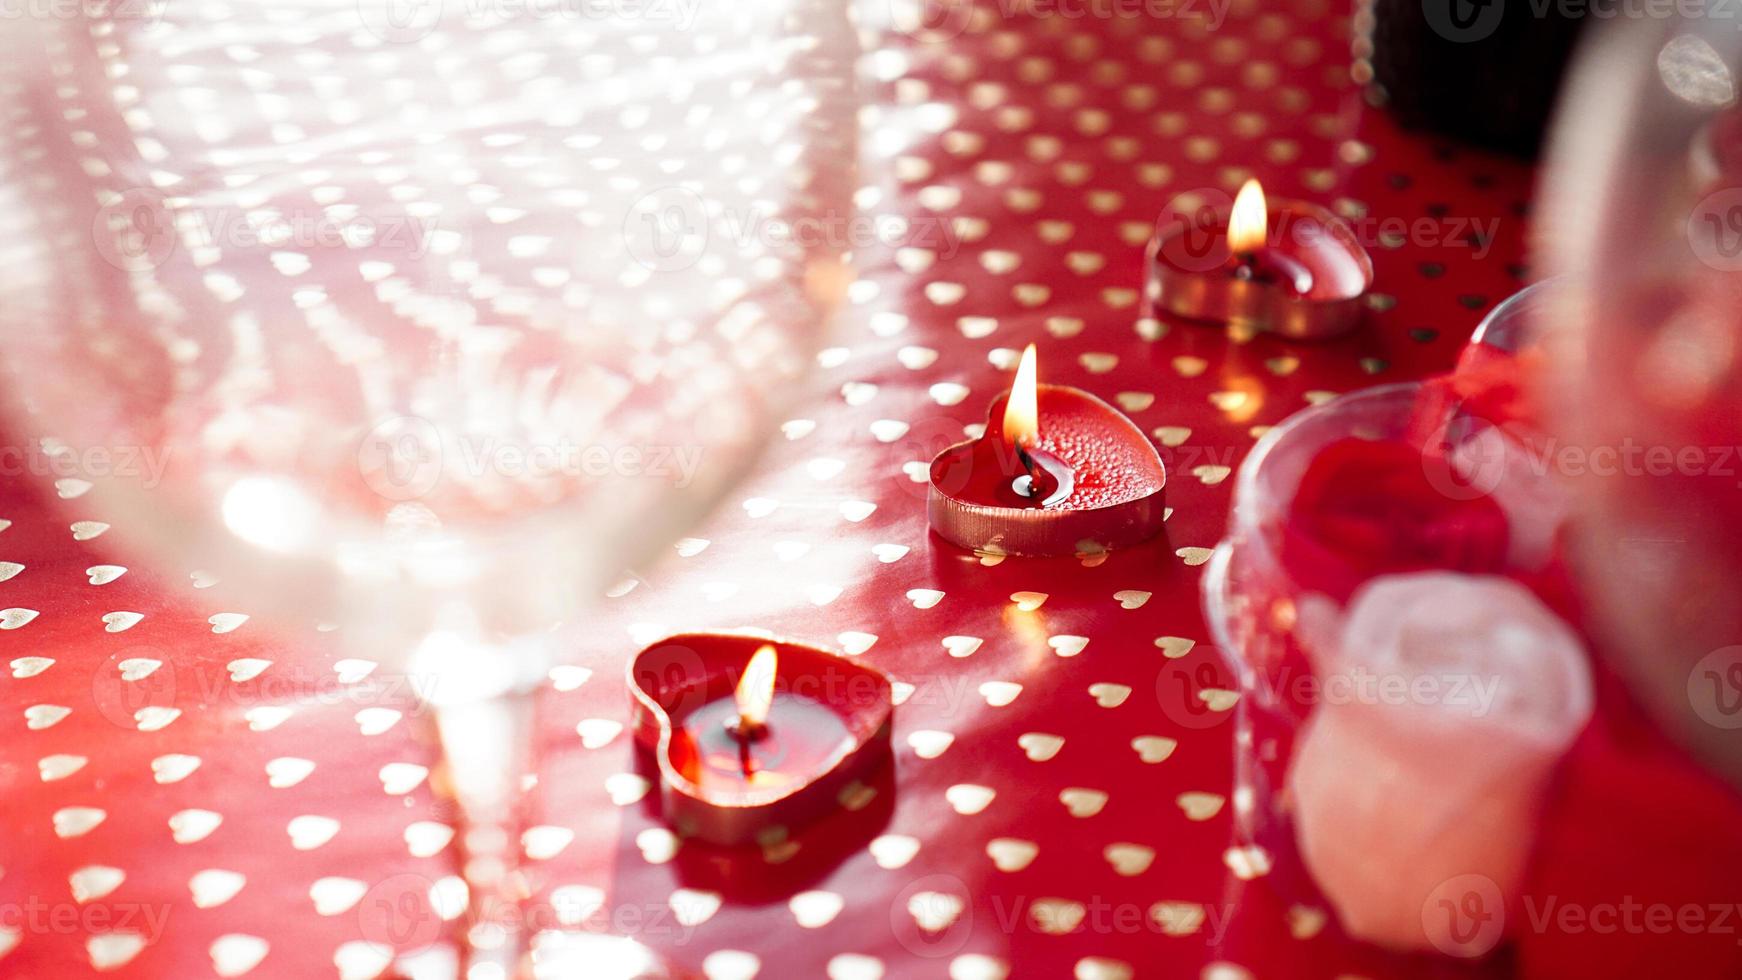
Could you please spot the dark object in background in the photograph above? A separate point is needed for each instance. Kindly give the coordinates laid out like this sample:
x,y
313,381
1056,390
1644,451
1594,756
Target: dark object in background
x,y
1485,71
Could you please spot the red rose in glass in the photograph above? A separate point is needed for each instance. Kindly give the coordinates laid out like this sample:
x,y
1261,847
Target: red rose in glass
x,y
1368,507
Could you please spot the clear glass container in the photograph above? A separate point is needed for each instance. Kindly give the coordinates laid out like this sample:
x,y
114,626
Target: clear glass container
x,y
1276,593
1253,606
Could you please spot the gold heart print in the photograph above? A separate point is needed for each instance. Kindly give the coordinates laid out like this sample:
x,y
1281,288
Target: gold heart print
x,y
1011,854
1129,860
1083,803
1039,746
1154,748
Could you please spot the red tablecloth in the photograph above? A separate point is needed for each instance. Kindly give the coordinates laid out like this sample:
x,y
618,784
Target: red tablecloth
x,y
1059,794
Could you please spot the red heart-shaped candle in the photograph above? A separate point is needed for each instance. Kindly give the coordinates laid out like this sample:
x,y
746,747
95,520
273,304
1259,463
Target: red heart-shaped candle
x,y
824,723
1099,481
1288,267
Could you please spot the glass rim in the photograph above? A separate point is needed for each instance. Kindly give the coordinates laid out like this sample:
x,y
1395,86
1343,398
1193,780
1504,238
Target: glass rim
x,y
1492,332
1213,599
1246,486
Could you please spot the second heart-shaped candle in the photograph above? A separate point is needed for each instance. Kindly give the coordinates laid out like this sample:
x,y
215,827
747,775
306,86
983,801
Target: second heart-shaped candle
x,y
1057,472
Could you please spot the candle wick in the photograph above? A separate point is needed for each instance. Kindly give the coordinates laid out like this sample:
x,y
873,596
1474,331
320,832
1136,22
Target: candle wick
x,y
1248,264
1031,468
745,731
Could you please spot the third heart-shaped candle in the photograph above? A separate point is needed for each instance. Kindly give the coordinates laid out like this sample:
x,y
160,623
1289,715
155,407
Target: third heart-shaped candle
x,y
1057,472
751,734
1287,267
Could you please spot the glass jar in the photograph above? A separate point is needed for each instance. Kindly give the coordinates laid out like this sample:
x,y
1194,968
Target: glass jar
x,y
1253,606
1296,563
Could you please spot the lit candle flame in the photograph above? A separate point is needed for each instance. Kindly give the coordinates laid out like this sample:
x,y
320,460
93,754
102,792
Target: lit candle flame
x,y
1246,224
755,690
1021,415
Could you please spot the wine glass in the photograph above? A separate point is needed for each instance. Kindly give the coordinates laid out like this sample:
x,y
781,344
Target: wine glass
x,y
437,316
1643,214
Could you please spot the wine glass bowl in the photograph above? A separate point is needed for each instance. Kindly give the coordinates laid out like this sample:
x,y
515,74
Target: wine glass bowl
x,y
1643,215
413,359
424,321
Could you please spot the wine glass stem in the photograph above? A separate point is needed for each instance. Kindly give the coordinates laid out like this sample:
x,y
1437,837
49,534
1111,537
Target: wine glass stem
x,y
487,745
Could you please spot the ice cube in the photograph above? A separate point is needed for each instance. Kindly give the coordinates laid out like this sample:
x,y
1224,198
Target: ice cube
x,y
1445,707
